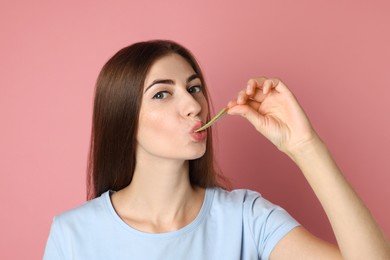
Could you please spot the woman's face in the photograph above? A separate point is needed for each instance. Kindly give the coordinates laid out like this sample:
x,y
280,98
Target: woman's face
x,y
173,106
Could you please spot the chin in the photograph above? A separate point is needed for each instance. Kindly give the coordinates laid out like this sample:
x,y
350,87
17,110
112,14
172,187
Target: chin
x,y
198,155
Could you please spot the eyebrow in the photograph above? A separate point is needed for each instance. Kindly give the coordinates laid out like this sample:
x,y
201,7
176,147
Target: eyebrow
x,y
170,81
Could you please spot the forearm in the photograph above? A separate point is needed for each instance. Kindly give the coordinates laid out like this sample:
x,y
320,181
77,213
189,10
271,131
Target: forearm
x,y
357,233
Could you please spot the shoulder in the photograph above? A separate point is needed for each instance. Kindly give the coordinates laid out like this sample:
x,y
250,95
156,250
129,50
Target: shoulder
x,y
242,203
243,197
87,213
263,222
77,226
257,212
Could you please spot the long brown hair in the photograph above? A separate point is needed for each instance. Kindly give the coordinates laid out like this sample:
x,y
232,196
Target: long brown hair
x,y
118,96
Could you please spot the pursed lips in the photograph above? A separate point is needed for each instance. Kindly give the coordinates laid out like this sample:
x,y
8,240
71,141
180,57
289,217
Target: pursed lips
x,y
198,136
197,125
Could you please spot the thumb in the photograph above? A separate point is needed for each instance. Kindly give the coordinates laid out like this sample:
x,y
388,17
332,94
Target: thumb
x,y
255,118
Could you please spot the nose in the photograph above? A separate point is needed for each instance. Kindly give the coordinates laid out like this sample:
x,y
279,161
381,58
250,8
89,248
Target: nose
x,y
191,107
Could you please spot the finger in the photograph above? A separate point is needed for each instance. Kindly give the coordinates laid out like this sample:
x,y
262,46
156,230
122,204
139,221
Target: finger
x,y
267,85
251,87
254,104
253,84
248,112
242,97
281,87
275,83
232,103
254,88
251,103
264,84
258,88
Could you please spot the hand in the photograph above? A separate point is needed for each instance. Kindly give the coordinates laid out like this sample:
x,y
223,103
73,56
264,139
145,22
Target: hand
x,y
274,111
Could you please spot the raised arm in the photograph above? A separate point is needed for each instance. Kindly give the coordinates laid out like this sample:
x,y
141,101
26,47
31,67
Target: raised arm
x,y
274,111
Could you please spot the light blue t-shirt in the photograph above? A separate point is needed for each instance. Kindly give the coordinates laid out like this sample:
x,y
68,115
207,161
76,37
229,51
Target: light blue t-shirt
x,y
238,224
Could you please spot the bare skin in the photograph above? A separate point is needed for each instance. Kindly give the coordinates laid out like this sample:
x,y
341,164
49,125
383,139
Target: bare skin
x,y
161,198
273,110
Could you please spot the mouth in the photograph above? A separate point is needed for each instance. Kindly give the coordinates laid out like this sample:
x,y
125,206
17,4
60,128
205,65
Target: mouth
x,y
198,136
197,125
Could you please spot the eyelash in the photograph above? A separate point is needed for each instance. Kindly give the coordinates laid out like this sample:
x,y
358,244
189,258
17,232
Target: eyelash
x,y
162,94
199,89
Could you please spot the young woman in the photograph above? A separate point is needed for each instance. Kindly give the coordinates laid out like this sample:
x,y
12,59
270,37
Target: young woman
x,y
154,193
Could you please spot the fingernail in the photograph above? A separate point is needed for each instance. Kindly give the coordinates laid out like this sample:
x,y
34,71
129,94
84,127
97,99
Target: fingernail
x,y
248,90
231,112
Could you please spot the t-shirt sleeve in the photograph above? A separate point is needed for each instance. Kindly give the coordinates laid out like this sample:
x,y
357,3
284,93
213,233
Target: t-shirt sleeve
x,y
52,250
268,224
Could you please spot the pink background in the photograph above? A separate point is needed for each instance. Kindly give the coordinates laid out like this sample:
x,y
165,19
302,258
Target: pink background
x,y
334,55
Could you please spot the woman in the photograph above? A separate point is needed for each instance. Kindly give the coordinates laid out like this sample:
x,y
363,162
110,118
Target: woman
x,y
153,189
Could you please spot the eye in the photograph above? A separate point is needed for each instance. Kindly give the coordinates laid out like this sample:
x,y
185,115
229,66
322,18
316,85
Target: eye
x,y
195,89
160,95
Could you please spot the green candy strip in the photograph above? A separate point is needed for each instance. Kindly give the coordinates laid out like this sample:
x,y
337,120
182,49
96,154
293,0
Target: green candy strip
x,y
213,120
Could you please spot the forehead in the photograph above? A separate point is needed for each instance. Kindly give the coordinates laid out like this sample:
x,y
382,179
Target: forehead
x,y
171,66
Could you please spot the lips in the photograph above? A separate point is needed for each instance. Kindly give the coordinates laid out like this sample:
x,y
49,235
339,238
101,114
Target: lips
x,y
198,136
197,125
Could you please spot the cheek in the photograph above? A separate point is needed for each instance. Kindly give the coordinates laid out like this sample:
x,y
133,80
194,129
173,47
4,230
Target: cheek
x,y
154,125
158,134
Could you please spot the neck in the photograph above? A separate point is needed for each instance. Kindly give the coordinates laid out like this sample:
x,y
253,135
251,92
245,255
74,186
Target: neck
x,y
162,184
160,197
